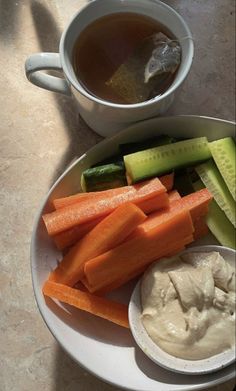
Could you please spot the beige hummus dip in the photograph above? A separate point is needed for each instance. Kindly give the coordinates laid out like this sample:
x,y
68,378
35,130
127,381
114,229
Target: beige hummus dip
x,y
188,305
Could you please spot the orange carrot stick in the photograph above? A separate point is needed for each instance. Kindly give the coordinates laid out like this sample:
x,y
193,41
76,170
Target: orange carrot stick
x,y
174,195
135,273
131,255
200,228
104,308
73,235
93,195
110,232
155,203
197,203
166,180
126,278
70,216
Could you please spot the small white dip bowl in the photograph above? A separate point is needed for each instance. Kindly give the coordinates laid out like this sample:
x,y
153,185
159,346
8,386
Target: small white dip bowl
x,y
159,356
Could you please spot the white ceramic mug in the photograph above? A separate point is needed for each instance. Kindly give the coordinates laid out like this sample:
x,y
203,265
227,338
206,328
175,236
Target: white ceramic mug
x,y
106,118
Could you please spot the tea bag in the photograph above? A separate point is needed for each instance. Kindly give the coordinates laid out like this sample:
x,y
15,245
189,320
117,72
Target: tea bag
x,y
148,71
165,57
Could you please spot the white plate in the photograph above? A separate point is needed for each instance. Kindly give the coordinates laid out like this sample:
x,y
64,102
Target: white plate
x,y
107,350
165,360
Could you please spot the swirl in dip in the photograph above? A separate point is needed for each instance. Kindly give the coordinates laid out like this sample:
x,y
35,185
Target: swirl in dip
x,y
188,305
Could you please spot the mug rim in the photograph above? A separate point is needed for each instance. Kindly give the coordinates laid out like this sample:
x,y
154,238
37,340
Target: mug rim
x,y
78,87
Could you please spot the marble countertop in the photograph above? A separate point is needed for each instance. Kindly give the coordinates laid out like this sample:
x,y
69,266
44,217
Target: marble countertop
x,y
40,134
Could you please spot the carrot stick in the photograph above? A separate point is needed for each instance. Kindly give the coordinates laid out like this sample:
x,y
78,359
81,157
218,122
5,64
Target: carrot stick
x,y
155,203
167,181
197,203
71,236
180,248
70,216
93,195
104,308
131,255
126,278
110,232
200,228
135,273
115,284
174,195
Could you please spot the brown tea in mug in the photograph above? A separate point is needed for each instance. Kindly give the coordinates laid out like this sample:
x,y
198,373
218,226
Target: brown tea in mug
x,y
126,58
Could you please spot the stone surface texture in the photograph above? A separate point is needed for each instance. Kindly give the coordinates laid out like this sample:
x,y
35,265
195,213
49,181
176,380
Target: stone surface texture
x,y
40,133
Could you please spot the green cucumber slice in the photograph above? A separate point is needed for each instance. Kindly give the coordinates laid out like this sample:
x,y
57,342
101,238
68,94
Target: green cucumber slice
x,y
104,177
224,154
214,182
163,159
128,148
218,223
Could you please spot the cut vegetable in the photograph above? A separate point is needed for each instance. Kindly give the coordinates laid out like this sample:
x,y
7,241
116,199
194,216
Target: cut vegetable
x,y
196,203
163,159
174,195
107,234
115,284
134,254
128,148
200,228
99,306
127,277
79,213
218,223
92,196
150,205
214,182
71,236
224,154
104,177
167,181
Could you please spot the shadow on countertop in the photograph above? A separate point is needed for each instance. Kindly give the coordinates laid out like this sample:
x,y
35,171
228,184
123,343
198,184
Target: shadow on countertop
x,y
49,33
9,11
69,376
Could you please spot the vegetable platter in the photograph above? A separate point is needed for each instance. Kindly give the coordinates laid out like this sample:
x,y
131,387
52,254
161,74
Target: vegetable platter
x,y
93,342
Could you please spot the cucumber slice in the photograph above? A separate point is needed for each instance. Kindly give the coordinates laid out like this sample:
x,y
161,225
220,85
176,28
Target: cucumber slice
x,y
163,159
218,223
104,177
224,154
128,148
214,182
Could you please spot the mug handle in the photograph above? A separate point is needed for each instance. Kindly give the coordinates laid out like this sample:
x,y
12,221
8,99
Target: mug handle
x,y
46,61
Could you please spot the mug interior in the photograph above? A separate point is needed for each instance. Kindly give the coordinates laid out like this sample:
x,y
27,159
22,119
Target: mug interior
x,y
151,8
